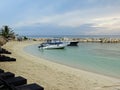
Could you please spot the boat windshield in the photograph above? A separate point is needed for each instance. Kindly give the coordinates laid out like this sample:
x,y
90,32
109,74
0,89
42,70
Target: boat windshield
x,y
54,41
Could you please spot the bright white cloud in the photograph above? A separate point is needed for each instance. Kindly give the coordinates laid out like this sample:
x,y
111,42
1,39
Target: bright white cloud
x,y
102,20
108,22
75,19
68,19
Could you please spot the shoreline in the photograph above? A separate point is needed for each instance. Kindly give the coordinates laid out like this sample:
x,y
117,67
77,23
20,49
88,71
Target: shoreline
x,y
77,68
73,66
54,76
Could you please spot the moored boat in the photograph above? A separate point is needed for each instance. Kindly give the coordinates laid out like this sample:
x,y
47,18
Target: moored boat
x,y
73,43
52,44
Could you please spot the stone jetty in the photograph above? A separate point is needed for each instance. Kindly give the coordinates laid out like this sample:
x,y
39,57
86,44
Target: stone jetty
x,y
94,40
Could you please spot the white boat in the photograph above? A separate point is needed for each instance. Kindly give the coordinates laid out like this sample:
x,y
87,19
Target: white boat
x,y
52,44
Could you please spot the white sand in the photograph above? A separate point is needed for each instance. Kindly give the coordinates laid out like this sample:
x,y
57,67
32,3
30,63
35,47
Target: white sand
x,y
53,76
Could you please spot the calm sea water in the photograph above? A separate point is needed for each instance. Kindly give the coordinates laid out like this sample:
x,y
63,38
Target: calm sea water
x,y
74,36
94,57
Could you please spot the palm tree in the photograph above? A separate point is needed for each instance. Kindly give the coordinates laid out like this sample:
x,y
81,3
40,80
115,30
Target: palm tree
x,y
6,32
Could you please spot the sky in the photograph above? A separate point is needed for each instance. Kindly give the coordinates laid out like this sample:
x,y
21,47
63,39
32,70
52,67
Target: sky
x,y
61,17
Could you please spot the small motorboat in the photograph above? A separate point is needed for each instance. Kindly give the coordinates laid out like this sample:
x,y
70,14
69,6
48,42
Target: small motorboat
x,y
52,44
73,43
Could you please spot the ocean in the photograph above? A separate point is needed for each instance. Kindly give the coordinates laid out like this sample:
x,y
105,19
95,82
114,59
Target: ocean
x,y
101,58
74,36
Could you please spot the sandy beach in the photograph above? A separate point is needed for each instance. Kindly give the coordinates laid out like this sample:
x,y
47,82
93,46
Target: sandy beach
x,y
53,76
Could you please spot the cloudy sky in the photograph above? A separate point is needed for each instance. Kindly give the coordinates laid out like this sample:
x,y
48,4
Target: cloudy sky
x,y
48,17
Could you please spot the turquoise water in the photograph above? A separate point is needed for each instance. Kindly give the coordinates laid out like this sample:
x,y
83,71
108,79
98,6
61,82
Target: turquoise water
x,y
94,57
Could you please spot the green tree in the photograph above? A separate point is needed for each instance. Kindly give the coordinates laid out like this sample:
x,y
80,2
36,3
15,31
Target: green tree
x,y
6,32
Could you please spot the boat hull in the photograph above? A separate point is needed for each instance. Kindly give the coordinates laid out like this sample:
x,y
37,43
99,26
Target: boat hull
x,y
73,43
53,47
